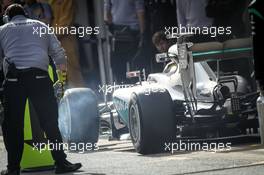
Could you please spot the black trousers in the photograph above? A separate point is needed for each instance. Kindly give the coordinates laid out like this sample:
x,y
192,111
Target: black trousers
x,y
35,85
123,55
125,49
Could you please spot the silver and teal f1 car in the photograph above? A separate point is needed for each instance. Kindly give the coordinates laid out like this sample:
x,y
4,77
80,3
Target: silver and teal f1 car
x,y
189,99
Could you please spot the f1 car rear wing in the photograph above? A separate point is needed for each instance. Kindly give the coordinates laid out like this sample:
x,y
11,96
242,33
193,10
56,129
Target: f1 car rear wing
x,y
230,49
188,54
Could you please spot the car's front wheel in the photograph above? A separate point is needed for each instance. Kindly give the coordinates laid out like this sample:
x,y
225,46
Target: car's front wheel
x,y
151,121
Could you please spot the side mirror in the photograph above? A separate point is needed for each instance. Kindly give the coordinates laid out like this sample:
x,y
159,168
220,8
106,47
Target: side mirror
x,y
162,58
141,75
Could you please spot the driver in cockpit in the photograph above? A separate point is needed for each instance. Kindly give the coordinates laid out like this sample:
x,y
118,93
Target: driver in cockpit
x,y
162,45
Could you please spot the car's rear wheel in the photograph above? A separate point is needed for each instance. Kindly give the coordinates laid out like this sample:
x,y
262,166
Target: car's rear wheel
x,y
151,121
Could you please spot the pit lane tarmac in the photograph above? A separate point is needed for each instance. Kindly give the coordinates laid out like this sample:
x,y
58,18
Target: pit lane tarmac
x,y
119,158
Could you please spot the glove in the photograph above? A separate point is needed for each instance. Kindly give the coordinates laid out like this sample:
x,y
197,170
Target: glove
x,y
59,86
62,76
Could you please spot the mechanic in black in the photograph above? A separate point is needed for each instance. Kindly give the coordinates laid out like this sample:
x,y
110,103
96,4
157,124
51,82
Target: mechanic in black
x,y
230,13
126,20
256,12
25,64
234,14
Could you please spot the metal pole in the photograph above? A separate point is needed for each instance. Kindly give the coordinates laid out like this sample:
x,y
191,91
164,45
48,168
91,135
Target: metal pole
x,y
103,56
260,107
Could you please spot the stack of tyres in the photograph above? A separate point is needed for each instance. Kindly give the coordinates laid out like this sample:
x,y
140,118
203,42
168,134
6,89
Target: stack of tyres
x,y
79,116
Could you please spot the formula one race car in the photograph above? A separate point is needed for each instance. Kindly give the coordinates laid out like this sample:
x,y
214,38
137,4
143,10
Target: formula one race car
x,y
189,99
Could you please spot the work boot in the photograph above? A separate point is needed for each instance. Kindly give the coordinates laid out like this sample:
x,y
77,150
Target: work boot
x,y
66,167
9,172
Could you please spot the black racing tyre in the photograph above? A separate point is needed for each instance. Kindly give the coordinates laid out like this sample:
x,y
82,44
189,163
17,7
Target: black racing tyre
x,y
151,122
